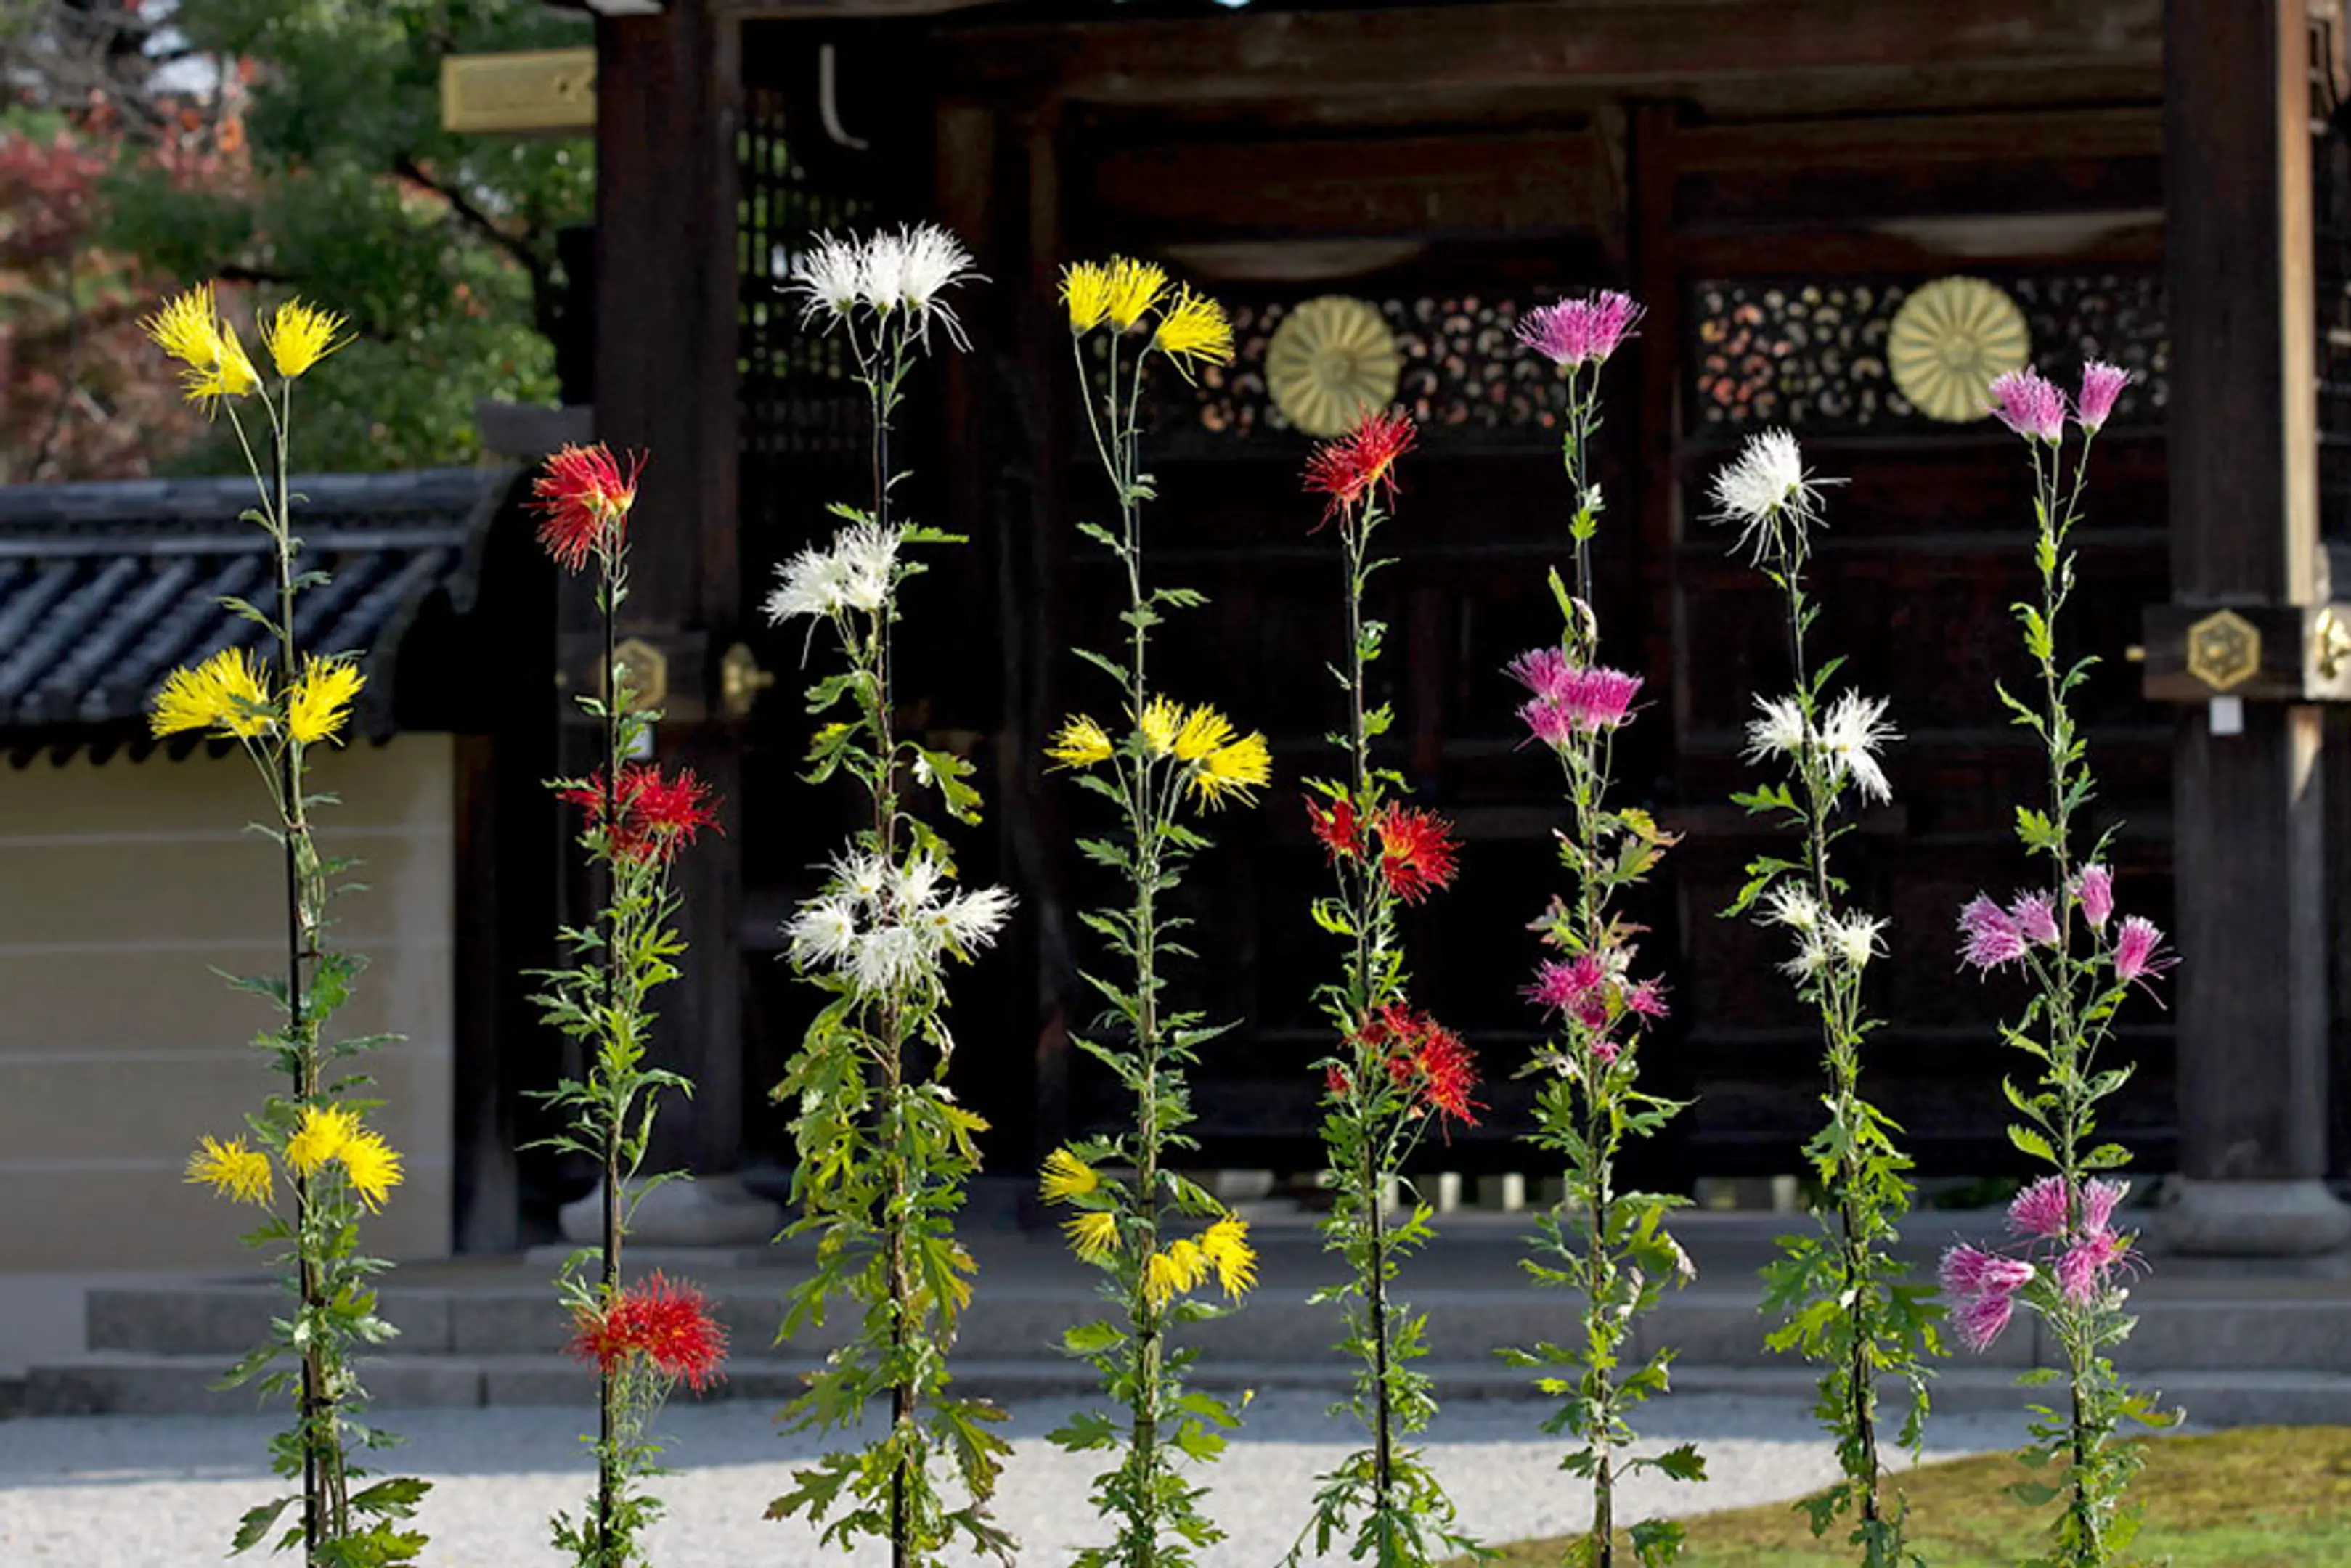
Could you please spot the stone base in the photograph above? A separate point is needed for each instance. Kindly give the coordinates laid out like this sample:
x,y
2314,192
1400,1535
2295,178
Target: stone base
x,y
691,1211
2250,1218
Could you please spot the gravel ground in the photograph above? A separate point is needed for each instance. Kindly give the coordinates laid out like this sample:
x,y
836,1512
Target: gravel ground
x,y
123,1492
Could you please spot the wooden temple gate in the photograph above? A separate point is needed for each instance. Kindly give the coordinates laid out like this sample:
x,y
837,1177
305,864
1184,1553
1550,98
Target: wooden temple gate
x,y
1776,181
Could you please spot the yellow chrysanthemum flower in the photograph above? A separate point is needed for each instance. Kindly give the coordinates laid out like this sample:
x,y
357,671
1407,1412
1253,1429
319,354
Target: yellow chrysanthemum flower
x,y
1134,287
1194,331
225,694
188,328
1205,730
1066,1177
232,1170
1093,1235
372,1166
299,336
1081,743
1225,1244
1085,290
1169,1273
322,700
321,1136
1159,722
1233,771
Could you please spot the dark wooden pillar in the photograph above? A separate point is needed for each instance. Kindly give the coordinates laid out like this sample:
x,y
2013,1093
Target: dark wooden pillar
x,y
668,101
2251,917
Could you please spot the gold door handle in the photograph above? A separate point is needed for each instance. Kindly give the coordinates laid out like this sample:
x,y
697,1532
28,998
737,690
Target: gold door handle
x,y
740,681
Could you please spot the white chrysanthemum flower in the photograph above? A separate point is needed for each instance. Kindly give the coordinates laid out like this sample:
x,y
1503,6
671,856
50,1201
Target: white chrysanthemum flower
x,y
863,876
813,582
1793,905
931,259
865,556
1850,736
1854,938
1766,491
889,957
973,919
915,886
831,274
824,931
1779,733
1811,958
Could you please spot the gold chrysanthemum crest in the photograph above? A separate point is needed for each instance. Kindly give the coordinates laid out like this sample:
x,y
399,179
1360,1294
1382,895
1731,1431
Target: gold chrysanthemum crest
x,y
1332,360
1950,341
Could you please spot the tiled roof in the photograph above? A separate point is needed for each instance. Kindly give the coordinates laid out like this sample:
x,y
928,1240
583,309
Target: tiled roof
x,y
107,587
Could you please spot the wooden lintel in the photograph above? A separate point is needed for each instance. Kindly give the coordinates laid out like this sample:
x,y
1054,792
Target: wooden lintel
x,y
2303,654
1532,184
1654,47
1901,141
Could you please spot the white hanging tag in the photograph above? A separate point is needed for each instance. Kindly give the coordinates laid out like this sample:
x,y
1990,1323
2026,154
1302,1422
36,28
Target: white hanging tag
x,y
2228,715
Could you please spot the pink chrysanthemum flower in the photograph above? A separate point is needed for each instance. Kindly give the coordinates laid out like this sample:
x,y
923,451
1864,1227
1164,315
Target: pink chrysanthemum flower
x,y
2035,915
1603,698
2098,1201
2029,404
1548,721
2082,1267
2041,1210
1647,998
1546,671
1992,935
2100,384
1979,1320
2139,949
2095,888
1580,332
1559,983
1972,1271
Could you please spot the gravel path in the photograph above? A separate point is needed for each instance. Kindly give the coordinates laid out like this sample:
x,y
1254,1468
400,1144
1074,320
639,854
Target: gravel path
x,y
123,1492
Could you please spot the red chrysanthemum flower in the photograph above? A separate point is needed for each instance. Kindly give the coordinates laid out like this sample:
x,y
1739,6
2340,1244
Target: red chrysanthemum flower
x,y
1342,835
669,1324
585,499
1418,854
1424,1056
658,815
1347,469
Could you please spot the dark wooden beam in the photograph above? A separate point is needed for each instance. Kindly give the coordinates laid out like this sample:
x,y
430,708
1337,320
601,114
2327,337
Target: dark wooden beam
x,y
2249,859
1532,184
1655,47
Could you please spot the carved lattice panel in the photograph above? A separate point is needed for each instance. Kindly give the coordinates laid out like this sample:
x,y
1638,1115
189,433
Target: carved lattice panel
x,y
1811,355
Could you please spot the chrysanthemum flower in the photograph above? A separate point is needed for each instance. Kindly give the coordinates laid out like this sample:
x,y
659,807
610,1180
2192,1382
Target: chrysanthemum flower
x,y
1546,671
823,932
321,1136
923,260
1132,290
1767,491
830,276
2096,888
1855,939
1174,1269
669,1325
1194,330
1093,1235
1813,955
1646,999
2100,384
1086,291
1066,1178
299,336
227,694
1080,743
854,572
2030,406
1791,904
1448,1072
1561,984
2139,949
233,1170
1339,833
2035,915
970,921
1850,736
1780,732
1226,1245
1580,332
1418,854
1589,701
189,328
1157,723
1992,936
1233,771
1361,462
659,815
1203,731
322,700
372,1165
585,497
1984,1286
2082,1267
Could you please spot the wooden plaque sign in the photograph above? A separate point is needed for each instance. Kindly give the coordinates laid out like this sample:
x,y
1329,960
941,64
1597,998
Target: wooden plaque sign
x,y
548,90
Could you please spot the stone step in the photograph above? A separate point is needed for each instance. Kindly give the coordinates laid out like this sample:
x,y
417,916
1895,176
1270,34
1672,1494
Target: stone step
x,y
126,1382
1706,1327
